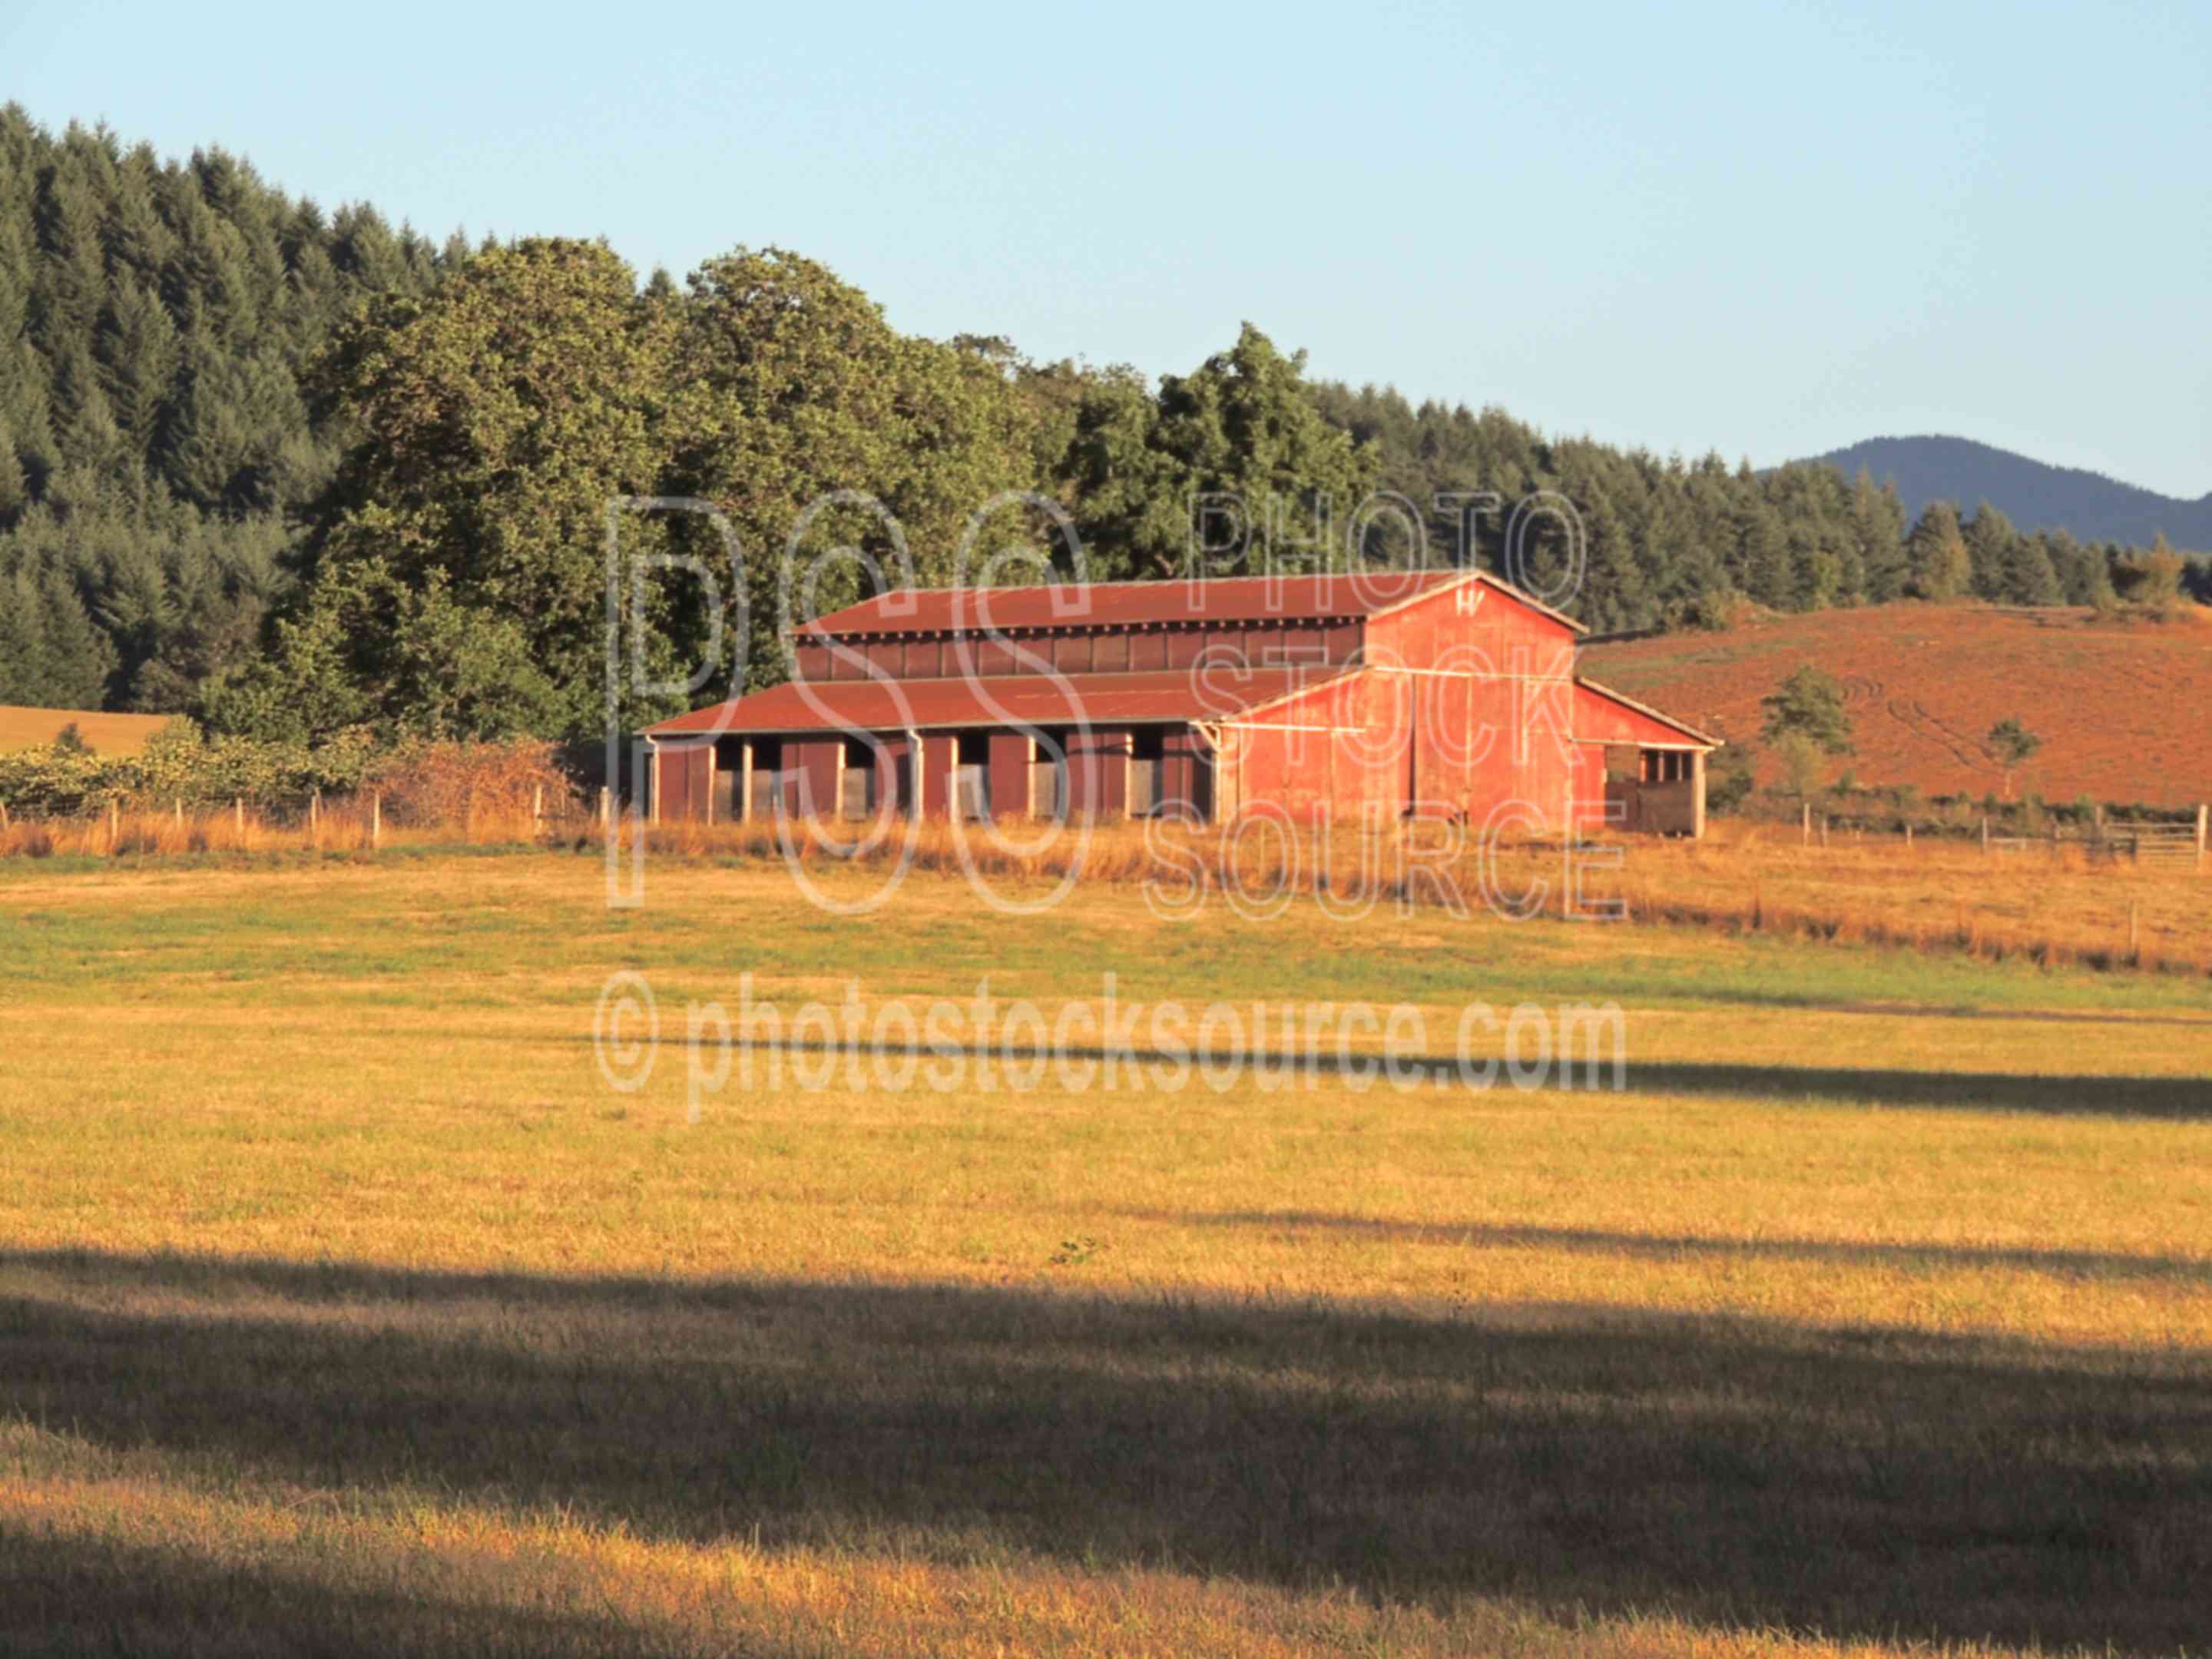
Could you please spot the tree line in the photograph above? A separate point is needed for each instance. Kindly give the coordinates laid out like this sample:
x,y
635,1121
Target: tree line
x,y
1669,543
298,473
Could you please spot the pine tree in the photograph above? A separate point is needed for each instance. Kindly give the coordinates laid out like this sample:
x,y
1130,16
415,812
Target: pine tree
x,y
2029,576
1990,552
15,487
1935,554
2080,572
155,320
139,356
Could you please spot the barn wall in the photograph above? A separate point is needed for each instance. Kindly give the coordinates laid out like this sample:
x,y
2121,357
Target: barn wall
x,y
894,753
681,777
1099,772
1490,711
1466,705
1186,775
1291,759
941,756
811,769
1009,774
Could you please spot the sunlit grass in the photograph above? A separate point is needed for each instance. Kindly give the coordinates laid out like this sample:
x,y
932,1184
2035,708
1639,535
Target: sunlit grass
x,y
343,1301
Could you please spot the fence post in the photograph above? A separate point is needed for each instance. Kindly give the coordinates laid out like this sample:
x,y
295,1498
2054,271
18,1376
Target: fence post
x,y
238,813
114,823
376,818
1824,832
1985,837
5,826
314,811
2204,814
2135,933
606,796
537,804
1805,837
179,813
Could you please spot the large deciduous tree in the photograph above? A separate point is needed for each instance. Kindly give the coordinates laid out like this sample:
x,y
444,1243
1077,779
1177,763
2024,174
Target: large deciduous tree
x,y
1242,428
493,423
814,427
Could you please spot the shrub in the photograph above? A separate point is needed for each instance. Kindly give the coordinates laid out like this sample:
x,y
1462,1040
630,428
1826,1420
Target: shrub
x,y
467,783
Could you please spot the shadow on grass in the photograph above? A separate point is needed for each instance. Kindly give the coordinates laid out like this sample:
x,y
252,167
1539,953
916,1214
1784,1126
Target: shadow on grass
x,y
1736,1472
2184,1099
2187,1098
1661,1247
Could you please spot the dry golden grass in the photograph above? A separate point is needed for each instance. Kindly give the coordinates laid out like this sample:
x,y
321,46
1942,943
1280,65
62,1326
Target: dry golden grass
x,y
122,735
2053,907
350,824
346,1308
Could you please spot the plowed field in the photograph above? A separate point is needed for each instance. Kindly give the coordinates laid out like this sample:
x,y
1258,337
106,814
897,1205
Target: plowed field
x,y
2124,708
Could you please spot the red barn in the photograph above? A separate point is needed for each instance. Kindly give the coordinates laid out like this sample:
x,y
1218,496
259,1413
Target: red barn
x,y
1400,693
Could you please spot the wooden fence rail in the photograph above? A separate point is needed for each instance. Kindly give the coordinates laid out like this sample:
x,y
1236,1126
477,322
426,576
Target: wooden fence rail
x,y
2170,841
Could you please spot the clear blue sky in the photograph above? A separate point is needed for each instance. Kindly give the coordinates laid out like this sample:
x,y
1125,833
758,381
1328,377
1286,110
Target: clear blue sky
x,y
1755,228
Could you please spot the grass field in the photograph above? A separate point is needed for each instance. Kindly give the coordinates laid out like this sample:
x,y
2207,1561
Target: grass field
x,y
2119,704
346,1308
104,733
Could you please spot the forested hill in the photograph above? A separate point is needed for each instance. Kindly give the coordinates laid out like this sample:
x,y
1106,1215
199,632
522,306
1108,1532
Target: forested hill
x,y
298,473
2032,494
154,320
1673,543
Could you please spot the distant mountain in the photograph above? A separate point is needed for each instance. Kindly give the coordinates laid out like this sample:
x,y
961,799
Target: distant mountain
x,y
2033,495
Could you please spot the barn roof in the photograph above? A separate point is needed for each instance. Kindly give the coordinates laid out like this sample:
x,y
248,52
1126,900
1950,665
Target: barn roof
x,y
1169,697
1700,739
1126,604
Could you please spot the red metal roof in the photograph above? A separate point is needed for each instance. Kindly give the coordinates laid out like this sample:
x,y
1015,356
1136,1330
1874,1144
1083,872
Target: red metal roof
x,y
1163,697
1698,739
1104,604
